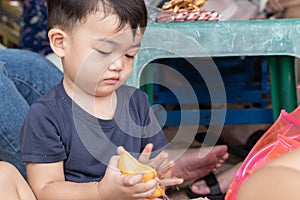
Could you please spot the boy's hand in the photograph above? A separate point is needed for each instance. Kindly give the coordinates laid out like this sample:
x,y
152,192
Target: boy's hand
x,y
115,185
162,165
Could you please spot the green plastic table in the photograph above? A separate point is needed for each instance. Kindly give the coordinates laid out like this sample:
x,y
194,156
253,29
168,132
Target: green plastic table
x,y
279,39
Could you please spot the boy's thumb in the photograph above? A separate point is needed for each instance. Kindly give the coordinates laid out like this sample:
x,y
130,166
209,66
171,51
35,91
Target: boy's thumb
x,y
113,162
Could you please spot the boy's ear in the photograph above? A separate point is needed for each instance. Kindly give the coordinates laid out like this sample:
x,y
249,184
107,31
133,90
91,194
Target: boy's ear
x,y
57,38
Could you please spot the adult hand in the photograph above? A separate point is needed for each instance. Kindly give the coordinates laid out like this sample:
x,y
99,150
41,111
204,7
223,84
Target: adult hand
x,y
274,6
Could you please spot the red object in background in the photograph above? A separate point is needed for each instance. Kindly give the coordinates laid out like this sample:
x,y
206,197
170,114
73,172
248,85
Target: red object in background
x,y
188,16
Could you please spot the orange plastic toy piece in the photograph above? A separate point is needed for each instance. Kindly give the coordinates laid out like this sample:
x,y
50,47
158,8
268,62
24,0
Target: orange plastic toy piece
x,y
130,166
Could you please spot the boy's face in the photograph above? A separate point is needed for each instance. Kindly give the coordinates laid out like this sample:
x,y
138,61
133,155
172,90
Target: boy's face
x,y
98,59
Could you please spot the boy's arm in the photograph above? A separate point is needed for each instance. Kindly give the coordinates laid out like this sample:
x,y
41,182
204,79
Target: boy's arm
x,y
47,182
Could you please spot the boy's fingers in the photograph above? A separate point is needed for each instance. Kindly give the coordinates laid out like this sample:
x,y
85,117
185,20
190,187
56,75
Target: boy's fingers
x,y
166,170
159,160
145,189
113,162
145,155
132,180
146,194
171,181
120,150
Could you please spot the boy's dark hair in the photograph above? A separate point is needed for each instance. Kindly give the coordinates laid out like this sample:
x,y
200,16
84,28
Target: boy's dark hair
x,y
67,13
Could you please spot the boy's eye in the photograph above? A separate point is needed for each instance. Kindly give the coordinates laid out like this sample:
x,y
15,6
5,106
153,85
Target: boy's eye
x,y
129,56
103,52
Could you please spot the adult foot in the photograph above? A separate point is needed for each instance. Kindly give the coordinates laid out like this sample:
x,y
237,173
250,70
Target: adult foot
x,y
224,179
199,162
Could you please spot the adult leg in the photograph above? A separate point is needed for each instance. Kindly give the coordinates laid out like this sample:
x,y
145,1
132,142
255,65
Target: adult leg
x,y
32,73
278,179
12,184
24,76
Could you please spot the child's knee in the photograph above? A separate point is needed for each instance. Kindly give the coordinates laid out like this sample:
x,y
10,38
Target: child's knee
x,y
7,171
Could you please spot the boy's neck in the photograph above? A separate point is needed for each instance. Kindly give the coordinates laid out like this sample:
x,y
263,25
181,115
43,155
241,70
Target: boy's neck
x,y
102,107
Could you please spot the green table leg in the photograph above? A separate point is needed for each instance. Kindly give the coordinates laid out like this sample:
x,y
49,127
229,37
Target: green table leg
x,y
283,84
274,71
147,77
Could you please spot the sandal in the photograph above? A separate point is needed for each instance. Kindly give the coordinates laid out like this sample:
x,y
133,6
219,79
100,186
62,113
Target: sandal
x,y
215,190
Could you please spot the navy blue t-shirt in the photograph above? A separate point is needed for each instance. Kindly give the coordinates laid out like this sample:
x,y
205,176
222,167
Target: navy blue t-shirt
x,y
57,129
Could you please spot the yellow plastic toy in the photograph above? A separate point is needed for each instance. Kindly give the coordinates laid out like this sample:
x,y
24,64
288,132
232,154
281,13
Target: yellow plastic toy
x,y
130,166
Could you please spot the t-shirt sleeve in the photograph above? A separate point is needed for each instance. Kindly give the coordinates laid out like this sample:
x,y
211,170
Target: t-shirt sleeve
x,y
39,137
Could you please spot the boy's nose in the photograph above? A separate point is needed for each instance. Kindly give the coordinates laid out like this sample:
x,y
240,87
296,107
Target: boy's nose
x,y
117,65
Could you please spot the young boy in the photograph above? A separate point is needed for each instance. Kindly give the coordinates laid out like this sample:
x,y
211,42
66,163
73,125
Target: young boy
x,y
71,136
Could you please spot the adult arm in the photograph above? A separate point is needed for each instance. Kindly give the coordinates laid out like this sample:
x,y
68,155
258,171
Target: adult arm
x,y
274,6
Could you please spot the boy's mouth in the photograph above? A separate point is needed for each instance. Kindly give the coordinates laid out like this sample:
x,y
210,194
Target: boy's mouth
x,y
111,81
